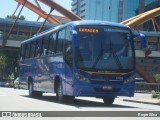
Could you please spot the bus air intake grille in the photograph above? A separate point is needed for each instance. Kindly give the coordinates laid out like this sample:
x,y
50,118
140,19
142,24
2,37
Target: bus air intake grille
x,y
111,91
120,82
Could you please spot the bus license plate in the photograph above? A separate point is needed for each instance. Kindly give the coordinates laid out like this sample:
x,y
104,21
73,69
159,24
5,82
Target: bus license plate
x,y
107,88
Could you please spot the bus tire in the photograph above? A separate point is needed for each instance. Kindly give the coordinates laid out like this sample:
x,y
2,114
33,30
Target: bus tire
x,y
108,100
59,93
33,93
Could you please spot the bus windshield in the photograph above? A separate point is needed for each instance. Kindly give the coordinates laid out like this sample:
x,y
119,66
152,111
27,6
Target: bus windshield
x,y
104,49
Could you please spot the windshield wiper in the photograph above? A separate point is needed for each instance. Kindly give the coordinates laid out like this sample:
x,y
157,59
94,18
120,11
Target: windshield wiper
x,y
98,57
111,52
115,56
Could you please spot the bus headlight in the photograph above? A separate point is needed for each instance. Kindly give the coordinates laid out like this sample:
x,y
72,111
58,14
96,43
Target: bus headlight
x,y
131,79
81,78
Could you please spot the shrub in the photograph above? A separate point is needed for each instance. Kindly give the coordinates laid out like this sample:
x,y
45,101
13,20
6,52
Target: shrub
x,y
157,77
154,95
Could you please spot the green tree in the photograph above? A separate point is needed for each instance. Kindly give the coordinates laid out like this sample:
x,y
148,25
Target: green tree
x,y
2,65
8,63
15,17
22,17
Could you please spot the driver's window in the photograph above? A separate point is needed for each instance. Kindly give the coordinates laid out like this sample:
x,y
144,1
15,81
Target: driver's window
x,y
68,47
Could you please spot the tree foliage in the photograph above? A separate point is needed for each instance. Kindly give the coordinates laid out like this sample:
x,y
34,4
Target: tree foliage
x,y
15,17
8,63
157,77
2,65
2,62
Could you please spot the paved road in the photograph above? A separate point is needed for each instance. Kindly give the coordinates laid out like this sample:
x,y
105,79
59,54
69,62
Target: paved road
x,y
18,100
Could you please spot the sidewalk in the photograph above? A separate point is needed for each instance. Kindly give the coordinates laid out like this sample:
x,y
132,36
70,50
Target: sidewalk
x,y
143,98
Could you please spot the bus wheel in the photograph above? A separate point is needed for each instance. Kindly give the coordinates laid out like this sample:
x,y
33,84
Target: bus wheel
x,y
108,100
59,93
33,93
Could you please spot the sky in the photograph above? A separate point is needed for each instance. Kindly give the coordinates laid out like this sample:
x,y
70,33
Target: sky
x,y
7,7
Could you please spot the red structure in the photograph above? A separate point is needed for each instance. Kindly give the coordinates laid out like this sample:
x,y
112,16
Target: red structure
x,y
53,5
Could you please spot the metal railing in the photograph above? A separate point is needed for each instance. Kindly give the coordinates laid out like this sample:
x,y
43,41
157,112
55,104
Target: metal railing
x,y
142,87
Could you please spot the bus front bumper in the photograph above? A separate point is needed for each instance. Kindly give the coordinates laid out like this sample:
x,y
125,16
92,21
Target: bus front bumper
x,y
104,90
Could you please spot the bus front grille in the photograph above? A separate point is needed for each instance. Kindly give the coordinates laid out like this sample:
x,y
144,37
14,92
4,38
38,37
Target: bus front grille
x,y
93,81
101,90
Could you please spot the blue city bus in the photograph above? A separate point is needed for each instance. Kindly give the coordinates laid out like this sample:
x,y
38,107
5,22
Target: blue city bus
x,y
80,58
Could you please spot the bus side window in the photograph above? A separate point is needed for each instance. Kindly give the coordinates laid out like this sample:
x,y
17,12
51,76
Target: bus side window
x,y
38,48
52,42
27,50
41,47
46,41
35,51
68,47
22,52
61,37
32,51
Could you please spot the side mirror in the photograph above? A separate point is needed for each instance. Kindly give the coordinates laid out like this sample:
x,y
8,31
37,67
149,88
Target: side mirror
x,y
142,39
74,37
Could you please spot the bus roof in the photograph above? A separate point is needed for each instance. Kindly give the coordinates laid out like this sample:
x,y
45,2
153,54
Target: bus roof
x,y
97,22
76,23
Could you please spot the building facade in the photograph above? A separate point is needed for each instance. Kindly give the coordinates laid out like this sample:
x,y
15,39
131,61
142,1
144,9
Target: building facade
x,y
94,9
111,10
134,7
79,8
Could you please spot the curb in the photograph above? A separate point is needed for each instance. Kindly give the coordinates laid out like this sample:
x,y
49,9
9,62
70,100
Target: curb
x,y
144,102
